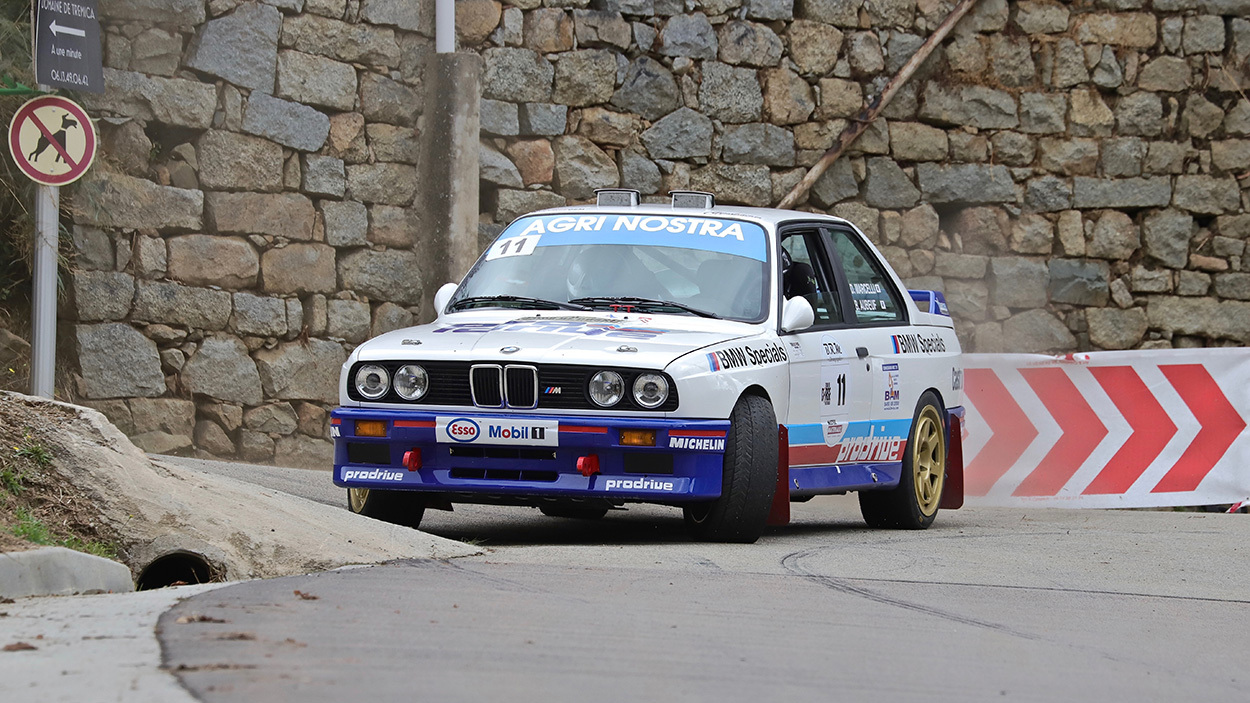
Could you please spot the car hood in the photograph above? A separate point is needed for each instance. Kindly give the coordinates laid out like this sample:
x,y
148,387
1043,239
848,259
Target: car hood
x,y
558,337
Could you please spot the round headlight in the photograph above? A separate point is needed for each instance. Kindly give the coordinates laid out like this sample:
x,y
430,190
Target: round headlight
x,y
607,388
372,381
650,390
411,382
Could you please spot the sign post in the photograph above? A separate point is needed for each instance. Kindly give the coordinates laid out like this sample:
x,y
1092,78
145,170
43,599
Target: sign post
x,y
53,142
67,45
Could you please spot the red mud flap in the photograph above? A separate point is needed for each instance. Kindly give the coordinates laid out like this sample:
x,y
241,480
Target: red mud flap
x,y
779,514
953,491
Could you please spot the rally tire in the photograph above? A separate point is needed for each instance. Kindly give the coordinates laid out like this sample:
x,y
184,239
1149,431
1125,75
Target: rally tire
x,y
574,511
748,481
913,504
396,507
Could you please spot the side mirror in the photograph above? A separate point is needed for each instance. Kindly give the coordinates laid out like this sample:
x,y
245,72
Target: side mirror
x,y
797,314
443,296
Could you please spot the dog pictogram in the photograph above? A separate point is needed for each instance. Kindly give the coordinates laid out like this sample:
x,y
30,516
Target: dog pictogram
x,y
45,142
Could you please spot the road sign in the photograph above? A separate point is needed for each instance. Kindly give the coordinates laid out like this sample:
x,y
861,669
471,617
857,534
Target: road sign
x,y
52,140
67,45
1114,429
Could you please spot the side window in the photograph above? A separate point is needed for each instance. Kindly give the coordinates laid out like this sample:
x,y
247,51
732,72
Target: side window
x,y
872,295
807,276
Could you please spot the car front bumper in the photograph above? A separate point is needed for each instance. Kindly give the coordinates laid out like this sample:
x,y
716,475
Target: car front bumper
x,y
518,456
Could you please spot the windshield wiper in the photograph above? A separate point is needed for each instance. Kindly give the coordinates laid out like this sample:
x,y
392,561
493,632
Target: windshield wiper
x,y
643,302
537,302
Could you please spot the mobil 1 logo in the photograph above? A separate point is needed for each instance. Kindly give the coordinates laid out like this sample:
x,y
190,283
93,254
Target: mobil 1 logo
x,y
67,45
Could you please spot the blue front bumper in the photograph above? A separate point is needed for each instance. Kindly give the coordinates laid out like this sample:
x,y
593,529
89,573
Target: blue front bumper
x,y
684,464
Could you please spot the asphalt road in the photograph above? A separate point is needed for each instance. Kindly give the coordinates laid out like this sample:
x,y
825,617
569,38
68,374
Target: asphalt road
x,y
989,604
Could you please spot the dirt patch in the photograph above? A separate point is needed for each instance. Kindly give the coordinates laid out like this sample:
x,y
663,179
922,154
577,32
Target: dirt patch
x,y
87,485
38,506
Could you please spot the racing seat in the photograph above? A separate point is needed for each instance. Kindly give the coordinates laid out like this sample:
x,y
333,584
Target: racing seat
x,y
801,280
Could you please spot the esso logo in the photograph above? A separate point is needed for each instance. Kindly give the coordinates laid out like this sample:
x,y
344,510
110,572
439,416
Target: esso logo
x,y
463,430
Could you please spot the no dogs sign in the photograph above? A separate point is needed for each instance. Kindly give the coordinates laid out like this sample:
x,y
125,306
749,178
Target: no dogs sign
x,y
52,140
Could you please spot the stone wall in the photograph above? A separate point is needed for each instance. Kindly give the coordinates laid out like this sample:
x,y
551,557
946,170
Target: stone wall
x,y
1068,173
252,219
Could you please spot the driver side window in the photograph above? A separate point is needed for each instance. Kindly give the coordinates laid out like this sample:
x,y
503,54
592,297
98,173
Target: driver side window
x,y
807,276
871,292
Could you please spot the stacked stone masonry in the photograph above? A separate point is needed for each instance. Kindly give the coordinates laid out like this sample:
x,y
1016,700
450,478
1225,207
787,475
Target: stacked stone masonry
x,y
1073,175
253,219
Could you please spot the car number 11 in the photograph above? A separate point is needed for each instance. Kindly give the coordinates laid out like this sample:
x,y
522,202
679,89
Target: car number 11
x,y
513,246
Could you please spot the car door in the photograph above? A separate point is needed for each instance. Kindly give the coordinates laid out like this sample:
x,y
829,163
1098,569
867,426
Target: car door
x,y
830,385
876,315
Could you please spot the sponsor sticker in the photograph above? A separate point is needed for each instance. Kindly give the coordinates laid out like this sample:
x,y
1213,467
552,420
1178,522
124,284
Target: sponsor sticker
x,y
912,343
796,348
830,347
702,444
957,379
703,233
892,387
482,430
372,475
833,431
334,432
555,326
636,484
747,356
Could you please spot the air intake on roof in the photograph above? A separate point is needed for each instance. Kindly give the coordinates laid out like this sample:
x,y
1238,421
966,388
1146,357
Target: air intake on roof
x,y
693,199
617,197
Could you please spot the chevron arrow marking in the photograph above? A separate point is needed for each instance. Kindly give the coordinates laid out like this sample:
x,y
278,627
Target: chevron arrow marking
x,y
1082,431
1012,431
1152,429
1221,425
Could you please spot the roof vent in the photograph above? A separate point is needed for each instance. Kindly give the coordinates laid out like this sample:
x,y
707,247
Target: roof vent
x,y
693,199
617,197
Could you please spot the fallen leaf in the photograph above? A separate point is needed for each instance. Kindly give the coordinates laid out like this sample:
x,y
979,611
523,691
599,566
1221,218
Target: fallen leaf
x,y
306,596
236,636
19,647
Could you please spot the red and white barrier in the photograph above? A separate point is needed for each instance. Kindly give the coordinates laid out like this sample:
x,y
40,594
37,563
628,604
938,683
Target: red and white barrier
x,y
1123,429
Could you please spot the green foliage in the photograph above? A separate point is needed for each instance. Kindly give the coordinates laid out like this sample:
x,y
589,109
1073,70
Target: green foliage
x,y
16,191
36,454
11,479
32,529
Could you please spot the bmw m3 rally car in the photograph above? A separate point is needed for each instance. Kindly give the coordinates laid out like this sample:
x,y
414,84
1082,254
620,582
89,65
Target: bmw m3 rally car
x,y
725,360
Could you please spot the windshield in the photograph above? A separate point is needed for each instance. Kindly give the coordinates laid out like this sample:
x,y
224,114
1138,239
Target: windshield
x,y
680,265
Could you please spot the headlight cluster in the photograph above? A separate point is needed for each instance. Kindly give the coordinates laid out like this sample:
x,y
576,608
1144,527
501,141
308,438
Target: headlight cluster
x,y
410,381
607,388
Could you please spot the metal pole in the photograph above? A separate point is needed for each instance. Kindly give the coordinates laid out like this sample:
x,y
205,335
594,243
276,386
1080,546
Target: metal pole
x,y
43,308
444,26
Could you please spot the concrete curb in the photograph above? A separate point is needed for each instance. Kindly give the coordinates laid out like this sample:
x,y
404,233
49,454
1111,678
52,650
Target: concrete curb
x,y
56,571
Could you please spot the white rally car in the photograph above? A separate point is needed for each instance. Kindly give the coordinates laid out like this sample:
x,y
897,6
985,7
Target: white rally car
x,y
725,360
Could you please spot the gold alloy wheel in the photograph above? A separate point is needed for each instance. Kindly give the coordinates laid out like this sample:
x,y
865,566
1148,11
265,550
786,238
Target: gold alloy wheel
x,y
928,460
356,498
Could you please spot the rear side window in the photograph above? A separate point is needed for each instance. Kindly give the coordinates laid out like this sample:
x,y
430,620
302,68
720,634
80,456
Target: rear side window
x,y
872,295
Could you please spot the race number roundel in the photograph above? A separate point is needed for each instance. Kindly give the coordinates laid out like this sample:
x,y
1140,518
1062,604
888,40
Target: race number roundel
x,y
52,140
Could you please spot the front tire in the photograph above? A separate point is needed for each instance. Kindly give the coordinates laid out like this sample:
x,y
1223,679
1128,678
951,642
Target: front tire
x,y
396,507
913,504
749,478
